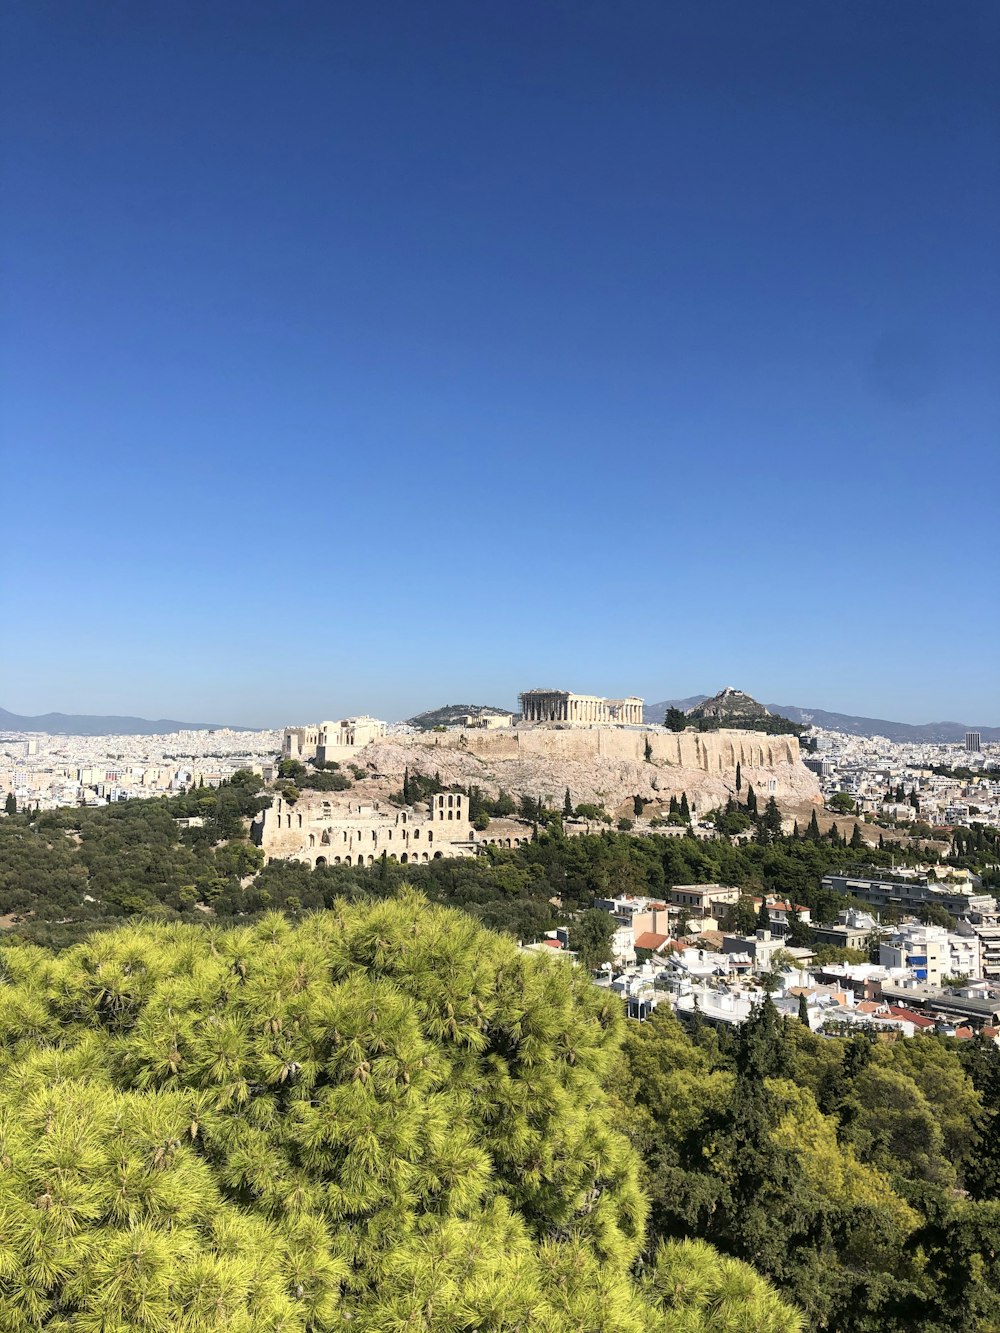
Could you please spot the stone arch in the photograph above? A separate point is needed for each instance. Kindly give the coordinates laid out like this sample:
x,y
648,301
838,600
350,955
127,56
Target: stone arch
x,y
320,861
403,859
312,839
437,856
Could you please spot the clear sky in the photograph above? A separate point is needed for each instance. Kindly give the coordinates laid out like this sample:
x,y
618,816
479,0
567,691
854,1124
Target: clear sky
x,y
381,355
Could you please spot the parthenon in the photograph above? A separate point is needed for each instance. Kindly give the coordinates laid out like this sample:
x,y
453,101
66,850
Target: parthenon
x,y
561,706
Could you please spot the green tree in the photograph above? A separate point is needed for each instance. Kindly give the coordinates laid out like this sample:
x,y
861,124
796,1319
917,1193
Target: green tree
x,y
770,820
381,1118
842,803
567,805
745,915
591,936
10,804
675,719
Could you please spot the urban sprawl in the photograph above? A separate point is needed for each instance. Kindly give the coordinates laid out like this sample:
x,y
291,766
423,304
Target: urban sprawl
x,y
930,934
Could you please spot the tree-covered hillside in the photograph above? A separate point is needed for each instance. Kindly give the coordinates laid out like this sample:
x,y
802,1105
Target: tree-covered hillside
x,y
384,1118
64,872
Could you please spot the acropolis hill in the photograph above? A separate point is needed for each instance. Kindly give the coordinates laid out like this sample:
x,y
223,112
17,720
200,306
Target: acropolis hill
x,y
602,765
596,749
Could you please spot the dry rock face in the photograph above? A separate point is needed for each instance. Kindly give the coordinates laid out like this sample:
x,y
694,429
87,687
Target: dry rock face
x,y
606,766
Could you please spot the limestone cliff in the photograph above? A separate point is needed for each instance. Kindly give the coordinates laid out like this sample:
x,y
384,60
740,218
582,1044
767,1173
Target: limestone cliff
x,y
606,766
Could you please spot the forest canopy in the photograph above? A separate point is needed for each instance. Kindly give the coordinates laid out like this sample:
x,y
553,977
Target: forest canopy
x,y
384,1117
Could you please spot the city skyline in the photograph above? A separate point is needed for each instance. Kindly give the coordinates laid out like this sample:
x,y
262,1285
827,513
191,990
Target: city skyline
x,y
386,357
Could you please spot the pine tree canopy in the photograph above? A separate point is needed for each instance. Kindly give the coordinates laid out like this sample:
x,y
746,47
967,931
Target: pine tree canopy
x,y
384,1117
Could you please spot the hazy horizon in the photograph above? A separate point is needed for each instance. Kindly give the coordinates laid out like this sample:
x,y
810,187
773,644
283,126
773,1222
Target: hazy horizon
x,y
403,711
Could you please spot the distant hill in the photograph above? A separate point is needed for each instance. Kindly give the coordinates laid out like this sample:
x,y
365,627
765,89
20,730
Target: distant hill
x,y
657,712
942,733
85,724
736,709
450,714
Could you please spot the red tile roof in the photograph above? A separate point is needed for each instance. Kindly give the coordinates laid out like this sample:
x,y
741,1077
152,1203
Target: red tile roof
x,y
553,944
908,1016
649,939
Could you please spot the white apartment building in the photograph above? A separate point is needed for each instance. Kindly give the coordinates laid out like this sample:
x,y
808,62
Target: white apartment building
x,y
931,953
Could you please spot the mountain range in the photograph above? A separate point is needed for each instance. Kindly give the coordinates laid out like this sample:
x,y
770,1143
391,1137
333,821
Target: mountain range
x,y
86,724
942,733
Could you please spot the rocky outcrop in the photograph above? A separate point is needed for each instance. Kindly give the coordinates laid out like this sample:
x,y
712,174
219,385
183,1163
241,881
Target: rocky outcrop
x,y
606,766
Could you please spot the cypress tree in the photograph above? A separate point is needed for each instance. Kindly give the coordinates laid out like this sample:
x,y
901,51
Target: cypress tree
x,y
857,841
684,807
567,805
812,832
803,1009
751,801
739,777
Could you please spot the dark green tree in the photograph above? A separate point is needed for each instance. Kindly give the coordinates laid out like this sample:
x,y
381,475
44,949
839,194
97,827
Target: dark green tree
x,y
676,719
745,915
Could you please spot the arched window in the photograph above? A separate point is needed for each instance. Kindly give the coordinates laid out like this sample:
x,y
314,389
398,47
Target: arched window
x,y
312,839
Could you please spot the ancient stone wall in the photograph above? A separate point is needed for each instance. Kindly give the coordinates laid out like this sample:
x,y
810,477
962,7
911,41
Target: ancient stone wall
x,y
606,766
712,752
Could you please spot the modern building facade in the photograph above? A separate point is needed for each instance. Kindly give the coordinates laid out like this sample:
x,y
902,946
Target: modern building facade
x,y
911,894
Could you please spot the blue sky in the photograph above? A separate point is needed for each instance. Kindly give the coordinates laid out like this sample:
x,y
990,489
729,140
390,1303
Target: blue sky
x,y
372,357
